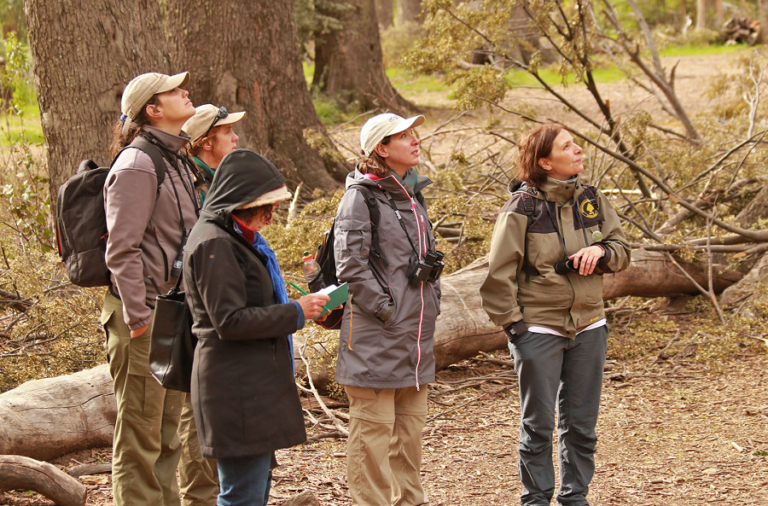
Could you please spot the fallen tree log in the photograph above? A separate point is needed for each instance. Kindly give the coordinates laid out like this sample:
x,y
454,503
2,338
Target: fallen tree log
x,y
23,473
47,418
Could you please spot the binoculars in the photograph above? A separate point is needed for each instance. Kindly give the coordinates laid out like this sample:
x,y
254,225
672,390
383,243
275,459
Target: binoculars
x,y
428,269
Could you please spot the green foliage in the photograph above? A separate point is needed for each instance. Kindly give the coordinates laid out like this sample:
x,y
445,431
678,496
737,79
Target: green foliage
x,y
27,200
398,40
317,17
12,16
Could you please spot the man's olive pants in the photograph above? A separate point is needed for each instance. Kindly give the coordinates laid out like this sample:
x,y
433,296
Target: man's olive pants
x,y
198,476
146,447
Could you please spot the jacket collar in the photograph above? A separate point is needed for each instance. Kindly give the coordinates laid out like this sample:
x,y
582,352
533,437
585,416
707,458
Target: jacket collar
x,y
389,184
172,142
207,171
560,192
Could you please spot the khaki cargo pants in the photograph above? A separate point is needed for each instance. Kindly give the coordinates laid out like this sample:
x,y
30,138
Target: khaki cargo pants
x,y
146,445
384,446
198,476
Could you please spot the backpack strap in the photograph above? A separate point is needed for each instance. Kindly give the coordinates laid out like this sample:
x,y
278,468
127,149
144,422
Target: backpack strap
x,y
373,210
142,144
590,191
153,152
528,208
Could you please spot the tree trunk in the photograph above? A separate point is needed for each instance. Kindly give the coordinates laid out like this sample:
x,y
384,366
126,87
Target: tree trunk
x,y
719,14
350,65
22,473
385,13
47,418
84,53
762,34
410,10
244,55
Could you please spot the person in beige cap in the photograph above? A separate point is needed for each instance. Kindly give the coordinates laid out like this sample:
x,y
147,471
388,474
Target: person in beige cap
x,y
386,359
147,222
212,137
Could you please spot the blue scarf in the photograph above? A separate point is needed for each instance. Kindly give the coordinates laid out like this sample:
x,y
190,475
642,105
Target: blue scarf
x,y
278,285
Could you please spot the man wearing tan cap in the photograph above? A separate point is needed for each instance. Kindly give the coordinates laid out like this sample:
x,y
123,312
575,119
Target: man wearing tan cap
x,y
148,219
212,137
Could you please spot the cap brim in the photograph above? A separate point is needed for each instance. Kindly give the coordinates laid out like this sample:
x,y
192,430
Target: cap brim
x,y
174,81
408,123
233,117
276,195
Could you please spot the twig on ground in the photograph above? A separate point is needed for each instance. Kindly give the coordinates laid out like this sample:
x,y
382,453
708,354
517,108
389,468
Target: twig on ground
x,y
339,426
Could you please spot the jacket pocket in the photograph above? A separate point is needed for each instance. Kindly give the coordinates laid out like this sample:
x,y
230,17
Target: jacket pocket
x,y
349,238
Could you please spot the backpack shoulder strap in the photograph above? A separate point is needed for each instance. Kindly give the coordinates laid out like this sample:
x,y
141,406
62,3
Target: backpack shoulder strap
x,y
373,210
592,196
154,153
528,207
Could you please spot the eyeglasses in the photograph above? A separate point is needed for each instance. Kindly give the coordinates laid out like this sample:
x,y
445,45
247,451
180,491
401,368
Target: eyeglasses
x,y
223,113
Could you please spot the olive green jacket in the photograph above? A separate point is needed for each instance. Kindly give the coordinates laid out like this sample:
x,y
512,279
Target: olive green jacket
x,y
522,285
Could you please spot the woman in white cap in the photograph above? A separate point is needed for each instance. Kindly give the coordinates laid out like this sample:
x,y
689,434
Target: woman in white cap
x,y
212,138
150,211
386,353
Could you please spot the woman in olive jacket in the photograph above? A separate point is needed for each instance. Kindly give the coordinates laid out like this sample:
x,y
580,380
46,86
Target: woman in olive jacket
x,y
243,394
553,313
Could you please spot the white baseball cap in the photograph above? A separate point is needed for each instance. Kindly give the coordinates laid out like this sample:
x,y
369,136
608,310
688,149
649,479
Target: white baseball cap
x,y
378,127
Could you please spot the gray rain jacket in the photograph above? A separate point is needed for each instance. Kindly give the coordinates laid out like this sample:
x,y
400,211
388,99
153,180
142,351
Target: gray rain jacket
x,y
386,338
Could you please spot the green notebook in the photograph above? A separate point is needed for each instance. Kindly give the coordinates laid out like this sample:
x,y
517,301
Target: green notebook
x,y
338,295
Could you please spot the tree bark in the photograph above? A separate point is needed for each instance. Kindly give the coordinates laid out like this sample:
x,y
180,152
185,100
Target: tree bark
x,y
410,10
385,12
23,473
762,34
47,418
349,64
244,55
84,53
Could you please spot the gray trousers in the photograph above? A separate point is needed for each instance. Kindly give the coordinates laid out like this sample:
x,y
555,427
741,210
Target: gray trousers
x,y
553,369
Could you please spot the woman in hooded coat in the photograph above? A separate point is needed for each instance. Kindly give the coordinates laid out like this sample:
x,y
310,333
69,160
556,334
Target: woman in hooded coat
x,y
243,392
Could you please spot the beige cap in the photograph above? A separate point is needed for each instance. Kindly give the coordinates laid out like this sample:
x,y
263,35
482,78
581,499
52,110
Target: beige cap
x,y
142,88
276,195
378,127
205,117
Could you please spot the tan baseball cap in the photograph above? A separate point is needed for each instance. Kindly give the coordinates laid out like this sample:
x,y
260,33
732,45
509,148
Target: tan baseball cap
x,y
206,117
378,127
142,88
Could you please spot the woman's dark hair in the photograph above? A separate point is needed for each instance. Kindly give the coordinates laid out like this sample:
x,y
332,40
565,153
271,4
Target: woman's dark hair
x,y
197,146
535,145
247,215
120,140
375,164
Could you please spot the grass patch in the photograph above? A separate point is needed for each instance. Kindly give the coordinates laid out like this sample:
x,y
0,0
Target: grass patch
x,y
25,126
699,50
410,83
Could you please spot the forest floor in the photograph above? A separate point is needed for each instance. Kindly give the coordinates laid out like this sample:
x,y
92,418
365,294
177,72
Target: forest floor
x,y
676,428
